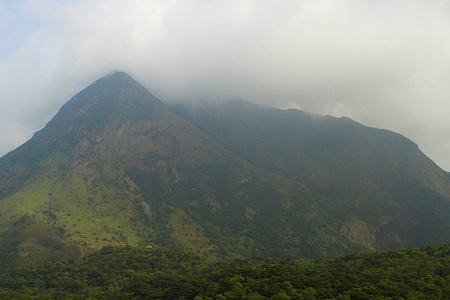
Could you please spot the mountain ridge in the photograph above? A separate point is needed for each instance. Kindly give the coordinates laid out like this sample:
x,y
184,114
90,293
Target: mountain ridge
x,y
117,166
339,158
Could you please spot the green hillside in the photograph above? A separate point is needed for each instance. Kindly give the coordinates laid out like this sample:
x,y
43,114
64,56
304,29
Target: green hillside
x,y
115,166
400,197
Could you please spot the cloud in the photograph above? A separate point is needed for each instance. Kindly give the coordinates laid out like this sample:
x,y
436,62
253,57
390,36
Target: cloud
x,y
383,63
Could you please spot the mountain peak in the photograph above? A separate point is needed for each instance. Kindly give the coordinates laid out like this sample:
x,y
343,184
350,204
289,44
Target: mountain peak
x,y
114,98
116,166
119,74
115,95
117,77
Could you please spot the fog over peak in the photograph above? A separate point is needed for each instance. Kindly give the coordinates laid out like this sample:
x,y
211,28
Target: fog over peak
x,y
382,63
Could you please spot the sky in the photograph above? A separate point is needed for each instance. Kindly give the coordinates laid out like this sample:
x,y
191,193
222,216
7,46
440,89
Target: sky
x,y
385,64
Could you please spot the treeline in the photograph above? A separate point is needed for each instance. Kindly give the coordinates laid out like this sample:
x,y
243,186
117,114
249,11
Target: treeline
x,y
138,273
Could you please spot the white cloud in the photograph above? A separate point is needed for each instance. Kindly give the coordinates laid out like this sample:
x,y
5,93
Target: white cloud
x,y
383,63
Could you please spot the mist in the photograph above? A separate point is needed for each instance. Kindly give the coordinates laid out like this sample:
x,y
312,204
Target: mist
x,y
385,64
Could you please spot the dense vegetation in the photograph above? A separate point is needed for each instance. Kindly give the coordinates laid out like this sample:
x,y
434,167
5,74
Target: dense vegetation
x,y
378,175
134,273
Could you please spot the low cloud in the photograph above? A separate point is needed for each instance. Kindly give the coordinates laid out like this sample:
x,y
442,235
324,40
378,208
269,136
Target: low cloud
x,y
383,63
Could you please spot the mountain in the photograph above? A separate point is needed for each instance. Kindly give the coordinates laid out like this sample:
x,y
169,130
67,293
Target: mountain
x,y
117,166
399,196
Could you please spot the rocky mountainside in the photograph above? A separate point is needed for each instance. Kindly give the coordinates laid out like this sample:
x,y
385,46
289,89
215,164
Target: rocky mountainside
x,y
117,166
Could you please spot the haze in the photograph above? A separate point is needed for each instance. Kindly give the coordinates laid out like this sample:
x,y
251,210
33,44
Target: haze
x,y
385,64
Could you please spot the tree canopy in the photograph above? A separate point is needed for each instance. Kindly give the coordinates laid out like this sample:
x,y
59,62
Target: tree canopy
x,y
138,273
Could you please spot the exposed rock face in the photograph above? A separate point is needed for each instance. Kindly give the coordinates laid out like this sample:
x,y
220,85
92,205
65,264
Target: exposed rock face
x,y
358,232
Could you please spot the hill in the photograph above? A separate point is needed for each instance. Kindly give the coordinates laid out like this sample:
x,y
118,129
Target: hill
x,y
116,166
399,197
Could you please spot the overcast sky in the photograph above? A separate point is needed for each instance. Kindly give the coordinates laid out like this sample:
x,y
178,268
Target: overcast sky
x,y
385,64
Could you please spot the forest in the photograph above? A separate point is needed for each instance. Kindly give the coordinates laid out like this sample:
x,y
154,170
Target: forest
x,y
125,272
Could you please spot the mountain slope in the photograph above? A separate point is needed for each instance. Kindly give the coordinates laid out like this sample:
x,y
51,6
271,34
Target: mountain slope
x,y
115,166
401,198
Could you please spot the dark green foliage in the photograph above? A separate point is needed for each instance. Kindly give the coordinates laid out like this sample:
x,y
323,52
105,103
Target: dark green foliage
x,y
23,219
378,175
139,273
273,230
31,241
